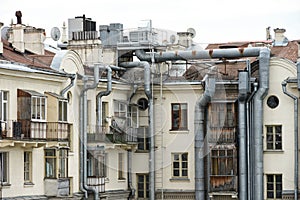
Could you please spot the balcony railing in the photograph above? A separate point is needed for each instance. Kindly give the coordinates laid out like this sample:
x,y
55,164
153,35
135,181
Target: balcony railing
x,y
96,182
222,135
223,183
29,130
105,134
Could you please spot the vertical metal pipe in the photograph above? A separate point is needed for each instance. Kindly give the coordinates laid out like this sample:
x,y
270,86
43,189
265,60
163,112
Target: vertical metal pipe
x,y
264,61
199,123
243,93
284,83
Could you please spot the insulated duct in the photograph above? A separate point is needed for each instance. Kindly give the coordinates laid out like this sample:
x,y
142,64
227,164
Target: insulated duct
x,y
199,126
83,135
147,88
264,62
201,54
243,94
295,98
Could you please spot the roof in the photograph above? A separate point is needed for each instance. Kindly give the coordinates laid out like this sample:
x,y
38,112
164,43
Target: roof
x,y
27,58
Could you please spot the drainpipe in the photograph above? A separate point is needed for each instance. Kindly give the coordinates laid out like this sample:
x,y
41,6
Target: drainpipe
x,y
72,78
199,123
264,61
83,135
283,84
201,54
243,95
147,88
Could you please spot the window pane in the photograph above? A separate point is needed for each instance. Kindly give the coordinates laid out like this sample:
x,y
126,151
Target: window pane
x,y
184,157
60,110
176,165
175,172
184,172
65,117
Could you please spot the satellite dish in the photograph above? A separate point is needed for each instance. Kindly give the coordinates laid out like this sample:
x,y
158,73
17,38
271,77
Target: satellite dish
x,y
192,31
172,39
55,33
4,33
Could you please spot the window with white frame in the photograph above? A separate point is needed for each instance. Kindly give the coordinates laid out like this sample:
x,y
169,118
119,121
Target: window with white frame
x,y
3,106
4,167
274,137
120,109
180,165
96,163
38,108
50,163
274,186
56,158
179,116
63,163
143,139
133,117
63,110
27,166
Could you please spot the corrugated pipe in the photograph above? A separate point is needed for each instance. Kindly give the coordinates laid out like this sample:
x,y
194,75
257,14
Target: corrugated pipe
x,y
83,135
201,54
199,123
264,63
283,84
243,95
72,78
147,88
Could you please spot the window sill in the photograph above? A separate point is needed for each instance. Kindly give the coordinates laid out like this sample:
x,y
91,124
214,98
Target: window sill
x,y
6,185
273,151
28,184
121,180
141,151
171,131
179,179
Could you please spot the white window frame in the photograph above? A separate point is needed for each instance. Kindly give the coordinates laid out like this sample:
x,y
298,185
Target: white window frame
x,y
62,110
28,166
4,168
181,166
3,106
38,108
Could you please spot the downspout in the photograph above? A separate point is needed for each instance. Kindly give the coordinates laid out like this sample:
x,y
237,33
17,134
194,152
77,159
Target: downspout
x,y
83,135
283,84
243,95
72,78
147,88
264,62
199,123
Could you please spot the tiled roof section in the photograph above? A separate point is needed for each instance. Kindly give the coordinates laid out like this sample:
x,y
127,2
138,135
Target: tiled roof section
x,y
27,58
289,52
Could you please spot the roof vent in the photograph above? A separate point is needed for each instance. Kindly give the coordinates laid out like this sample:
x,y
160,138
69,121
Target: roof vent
x,y
280,39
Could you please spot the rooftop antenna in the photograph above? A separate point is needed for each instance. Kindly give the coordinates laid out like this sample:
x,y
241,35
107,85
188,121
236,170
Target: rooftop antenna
x,y
55,33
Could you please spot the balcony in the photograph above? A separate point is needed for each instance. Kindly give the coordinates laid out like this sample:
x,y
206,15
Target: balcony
x,y
31,130
111,135
222,183
222,135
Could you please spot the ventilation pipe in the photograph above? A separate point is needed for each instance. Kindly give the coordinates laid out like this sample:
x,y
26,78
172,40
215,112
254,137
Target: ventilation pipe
x,y
72,78
264,61
201,54
83,135
283,84
199,124
243,94
147,88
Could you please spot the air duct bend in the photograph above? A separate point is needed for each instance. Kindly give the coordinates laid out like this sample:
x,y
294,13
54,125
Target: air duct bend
x,y
199,122
283,84
264,63
83,135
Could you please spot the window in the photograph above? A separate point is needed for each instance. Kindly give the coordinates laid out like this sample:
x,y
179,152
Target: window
x,y
27,167
222,115
179,116
50,163
3,106
143,185
38,108
180,165
4,167
63,110
121,166
143,139
96,165
274,186
63,163
223,162
133,117
274,137
120,109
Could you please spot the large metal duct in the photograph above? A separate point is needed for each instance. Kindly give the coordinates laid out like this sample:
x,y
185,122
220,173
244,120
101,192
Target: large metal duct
x,y
264,62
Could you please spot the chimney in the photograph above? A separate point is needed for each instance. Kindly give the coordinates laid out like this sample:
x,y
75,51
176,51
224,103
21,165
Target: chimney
x,y
268,34
185,39
19,17
279,38
1,44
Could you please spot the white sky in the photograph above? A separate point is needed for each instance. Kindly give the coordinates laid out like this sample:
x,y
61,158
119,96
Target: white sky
x,y
214,20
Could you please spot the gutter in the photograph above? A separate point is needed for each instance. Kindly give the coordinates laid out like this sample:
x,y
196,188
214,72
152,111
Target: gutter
x,y
72,78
